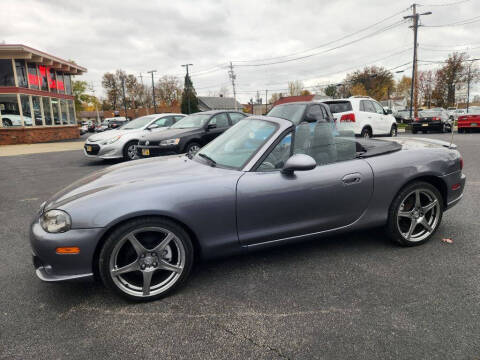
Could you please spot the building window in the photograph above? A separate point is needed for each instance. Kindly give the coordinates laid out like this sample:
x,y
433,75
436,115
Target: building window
x,y
71,112
9,110
33,76
63,111
37,111
68,84
43,77
6,73
52,84
21,73
47,112
60,84
55,111
26,110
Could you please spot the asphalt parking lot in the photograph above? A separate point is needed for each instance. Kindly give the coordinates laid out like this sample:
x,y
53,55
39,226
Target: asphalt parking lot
x,y
350,297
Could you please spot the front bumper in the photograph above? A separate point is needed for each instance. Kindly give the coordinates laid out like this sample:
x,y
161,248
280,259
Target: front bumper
x,y
158,150
51,266
112,151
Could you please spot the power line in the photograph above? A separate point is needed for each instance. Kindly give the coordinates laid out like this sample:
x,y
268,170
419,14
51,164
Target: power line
x,y
457,23
391,26
446,4
327,43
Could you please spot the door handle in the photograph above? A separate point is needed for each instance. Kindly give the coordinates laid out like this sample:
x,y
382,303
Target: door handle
x,y
351,179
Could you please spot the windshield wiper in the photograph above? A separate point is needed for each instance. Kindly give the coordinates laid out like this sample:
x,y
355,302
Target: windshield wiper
x,y
212,162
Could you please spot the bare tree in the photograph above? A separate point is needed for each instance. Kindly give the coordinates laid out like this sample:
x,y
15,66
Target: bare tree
x,y
168,90
295,88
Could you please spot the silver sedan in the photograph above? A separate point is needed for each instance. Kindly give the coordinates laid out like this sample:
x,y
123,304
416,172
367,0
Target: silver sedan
x,y
121,143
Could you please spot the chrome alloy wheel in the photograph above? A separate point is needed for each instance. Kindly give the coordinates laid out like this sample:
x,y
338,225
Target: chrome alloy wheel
x,y
132,151
147,261
418,215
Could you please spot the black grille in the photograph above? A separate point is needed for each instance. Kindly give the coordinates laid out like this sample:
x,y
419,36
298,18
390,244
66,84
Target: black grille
x,y
94,151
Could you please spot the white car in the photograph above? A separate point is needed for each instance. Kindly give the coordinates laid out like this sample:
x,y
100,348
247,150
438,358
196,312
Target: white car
x,y
362,115
121,143
14,120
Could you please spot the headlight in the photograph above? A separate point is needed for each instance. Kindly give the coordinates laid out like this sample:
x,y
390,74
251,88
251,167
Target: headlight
x,y
170,142
55,221
111,140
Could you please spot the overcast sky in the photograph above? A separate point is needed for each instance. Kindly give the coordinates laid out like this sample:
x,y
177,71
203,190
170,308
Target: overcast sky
x,y
137,36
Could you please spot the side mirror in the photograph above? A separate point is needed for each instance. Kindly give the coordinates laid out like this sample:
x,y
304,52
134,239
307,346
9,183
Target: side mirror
x,y
153,126
388,111
211,126
299,162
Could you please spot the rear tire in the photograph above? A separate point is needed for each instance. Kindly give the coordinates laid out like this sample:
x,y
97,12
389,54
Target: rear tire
x,y
139,263
366,133
6,122
415,214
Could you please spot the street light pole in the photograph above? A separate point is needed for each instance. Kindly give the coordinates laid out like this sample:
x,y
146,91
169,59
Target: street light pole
x,y
188,87
153,91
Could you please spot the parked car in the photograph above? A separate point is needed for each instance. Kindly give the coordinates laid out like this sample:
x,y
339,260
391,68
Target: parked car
x,y
303,111
189,134
458,113
262,183
121,143
363,115
12,119
451,112
116,123
432,120
469,122
403,116
83,129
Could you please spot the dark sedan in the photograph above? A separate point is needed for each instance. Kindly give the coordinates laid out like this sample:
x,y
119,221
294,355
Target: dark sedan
x,y
264,182
432,120
189,134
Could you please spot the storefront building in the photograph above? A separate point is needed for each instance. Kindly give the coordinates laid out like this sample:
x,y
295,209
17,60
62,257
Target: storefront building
x,y
36,101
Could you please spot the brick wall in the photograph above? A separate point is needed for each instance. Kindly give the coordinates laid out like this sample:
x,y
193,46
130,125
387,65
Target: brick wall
x,y
10,136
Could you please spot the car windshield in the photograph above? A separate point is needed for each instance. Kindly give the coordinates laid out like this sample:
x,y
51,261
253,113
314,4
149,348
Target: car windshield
x,y
238,144
138,123
429,113
191,121
292,112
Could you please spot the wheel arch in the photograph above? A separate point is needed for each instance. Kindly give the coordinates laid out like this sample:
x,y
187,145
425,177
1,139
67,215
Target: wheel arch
x,y
193,140
195,242
433,180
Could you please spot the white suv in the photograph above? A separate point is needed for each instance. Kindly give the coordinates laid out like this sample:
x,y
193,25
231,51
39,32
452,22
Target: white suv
x,y
363,115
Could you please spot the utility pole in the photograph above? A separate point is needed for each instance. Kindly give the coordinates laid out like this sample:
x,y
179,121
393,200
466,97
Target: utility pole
x,y
188,87
414,87
469,79
124,100
96,106
232,76
153,91
266,101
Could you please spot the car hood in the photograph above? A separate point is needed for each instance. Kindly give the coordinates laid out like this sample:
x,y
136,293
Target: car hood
x,y
110,134
118,179
171,133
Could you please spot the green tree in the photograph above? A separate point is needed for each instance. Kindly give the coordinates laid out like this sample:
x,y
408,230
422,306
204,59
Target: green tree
x,y
82,99
377,81
189,97
331,90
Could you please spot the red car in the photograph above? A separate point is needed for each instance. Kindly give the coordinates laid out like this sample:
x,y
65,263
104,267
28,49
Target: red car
x,y
468,122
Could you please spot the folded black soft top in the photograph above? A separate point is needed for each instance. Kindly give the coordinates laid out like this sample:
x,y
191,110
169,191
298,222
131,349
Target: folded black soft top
x,y
375,147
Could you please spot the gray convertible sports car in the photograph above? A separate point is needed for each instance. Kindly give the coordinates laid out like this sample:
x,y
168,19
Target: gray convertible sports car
x,y
265,182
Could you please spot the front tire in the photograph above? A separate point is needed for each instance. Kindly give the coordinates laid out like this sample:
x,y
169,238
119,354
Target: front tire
x,y
393,131
146,259
415,214
130,150
192,148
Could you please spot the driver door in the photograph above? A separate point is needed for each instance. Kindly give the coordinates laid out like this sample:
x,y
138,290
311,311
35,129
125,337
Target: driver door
x,y
274,206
